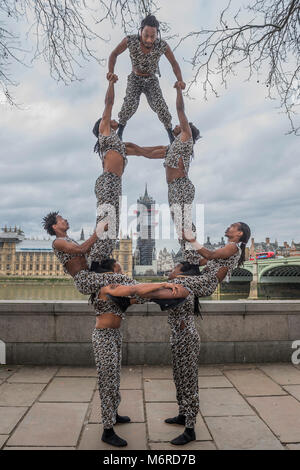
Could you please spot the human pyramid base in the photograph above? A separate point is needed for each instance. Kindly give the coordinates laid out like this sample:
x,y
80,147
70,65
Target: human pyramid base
x,y
97,274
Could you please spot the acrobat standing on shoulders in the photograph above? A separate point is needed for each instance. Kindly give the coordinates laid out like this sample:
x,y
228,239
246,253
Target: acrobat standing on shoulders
x,y
145,49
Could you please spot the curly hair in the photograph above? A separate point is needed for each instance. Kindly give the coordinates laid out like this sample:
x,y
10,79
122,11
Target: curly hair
x,y
49,221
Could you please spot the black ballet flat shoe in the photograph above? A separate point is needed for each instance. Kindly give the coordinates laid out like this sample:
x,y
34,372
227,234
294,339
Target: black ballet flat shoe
x,y
180,419
120,131
110,437
95,267
166,304
171,135
122,419
122,302
187,436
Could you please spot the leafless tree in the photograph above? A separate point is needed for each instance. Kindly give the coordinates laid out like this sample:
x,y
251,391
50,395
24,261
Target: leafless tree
x,y
61,31
268,44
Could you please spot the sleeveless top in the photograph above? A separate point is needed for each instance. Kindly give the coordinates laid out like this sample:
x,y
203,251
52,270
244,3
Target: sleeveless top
x,y
213,265
62,256
111,142
145,63
179,149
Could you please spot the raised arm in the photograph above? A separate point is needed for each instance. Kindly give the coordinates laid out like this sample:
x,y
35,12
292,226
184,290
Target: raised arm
x,y
158,151
104,127
222,253
186,132
113,57
72,248
175,66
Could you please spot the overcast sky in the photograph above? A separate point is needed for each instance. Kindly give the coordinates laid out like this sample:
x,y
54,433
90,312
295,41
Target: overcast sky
x,y
245,167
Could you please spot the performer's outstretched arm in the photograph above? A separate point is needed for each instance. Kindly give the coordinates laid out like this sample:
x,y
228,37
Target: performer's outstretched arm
x,y
175,66
186,132
72,248
158,151
104,126
113,57
144,290
222,253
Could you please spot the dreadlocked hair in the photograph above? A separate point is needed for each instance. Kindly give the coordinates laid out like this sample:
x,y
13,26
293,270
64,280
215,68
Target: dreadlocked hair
x,y
48,221
195,132
243,241
96,134
150,20
190,269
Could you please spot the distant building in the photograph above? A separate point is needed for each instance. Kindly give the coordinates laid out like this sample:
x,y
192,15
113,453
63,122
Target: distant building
x,y
24,257
145,252
165,262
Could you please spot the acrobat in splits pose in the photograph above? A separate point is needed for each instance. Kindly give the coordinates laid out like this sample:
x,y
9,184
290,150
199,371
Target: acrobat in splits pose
x,y
108,186
181,191
145,50
185,342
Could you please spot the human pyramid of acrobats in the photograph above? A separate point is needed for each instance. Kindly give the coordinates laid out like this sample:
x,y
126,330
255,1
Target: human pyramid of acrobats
x,y
97,274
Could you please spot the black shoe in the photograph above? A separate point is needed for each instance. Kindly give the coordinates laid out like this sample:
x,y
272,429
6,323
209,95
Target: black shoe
x,y
187,436
110,437
122,302
120,131
180,419
166,304
171,135
122,419
95,267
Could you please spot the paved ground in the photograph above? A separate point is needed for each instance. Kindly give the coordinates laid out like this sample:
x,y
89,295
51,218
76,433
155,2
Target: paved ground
x,y
243,406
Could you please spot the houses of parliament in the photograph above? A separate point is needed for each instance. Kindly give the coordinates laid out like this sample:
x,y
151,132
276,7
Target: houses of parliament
x,y
24,257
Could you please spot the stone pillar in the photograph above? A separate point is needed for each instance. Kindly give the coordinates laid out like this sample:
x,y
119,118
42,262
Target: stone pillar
x,y
253,294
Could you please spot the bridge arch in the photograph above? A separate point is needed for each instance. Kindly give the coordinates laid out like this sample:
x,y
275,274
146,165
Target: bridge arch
x,y
241,275
283,273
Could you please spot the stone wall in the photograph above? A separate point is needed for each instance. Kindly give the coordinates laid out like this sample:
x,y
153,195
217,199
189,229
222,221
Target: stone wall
x,y
59,332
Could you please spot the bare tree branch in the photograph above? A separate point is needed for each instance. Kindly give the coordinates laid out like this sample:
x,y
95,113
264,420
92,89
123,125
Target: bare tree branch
x,y
268,45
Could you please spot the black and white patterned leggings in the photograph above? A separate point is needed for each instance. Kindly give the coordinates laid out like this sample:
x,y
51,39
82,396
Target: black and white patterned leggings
x,y
185,347
108,190
181,193
107,346
136,85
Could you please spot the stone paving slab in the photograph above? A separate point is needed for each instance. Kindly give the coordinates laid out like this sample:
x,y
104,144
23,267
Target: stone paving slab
x,y
69,389
194,445
157,372
131,377
253,382
242,433
207,371
33,374
64,423
214,382
132,405
3,439
224,367
9,417
293,446
159,431
283,374
19,394
281,414
159,390
77,372
95,415
133,433
39,448
6,371
223,402
293,390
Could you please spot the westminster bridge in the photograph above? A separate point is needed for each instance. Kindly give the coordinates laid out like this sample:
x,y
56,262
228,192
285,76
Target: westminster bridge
x,y
272,270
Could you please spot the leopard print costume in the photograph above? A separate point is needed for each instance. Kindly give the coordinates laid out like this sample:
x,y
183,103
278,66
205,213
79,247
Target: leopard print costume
x,y
185,347
89,282
108,190
181,193
62,256
206,283
136,85
107,347
111,142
